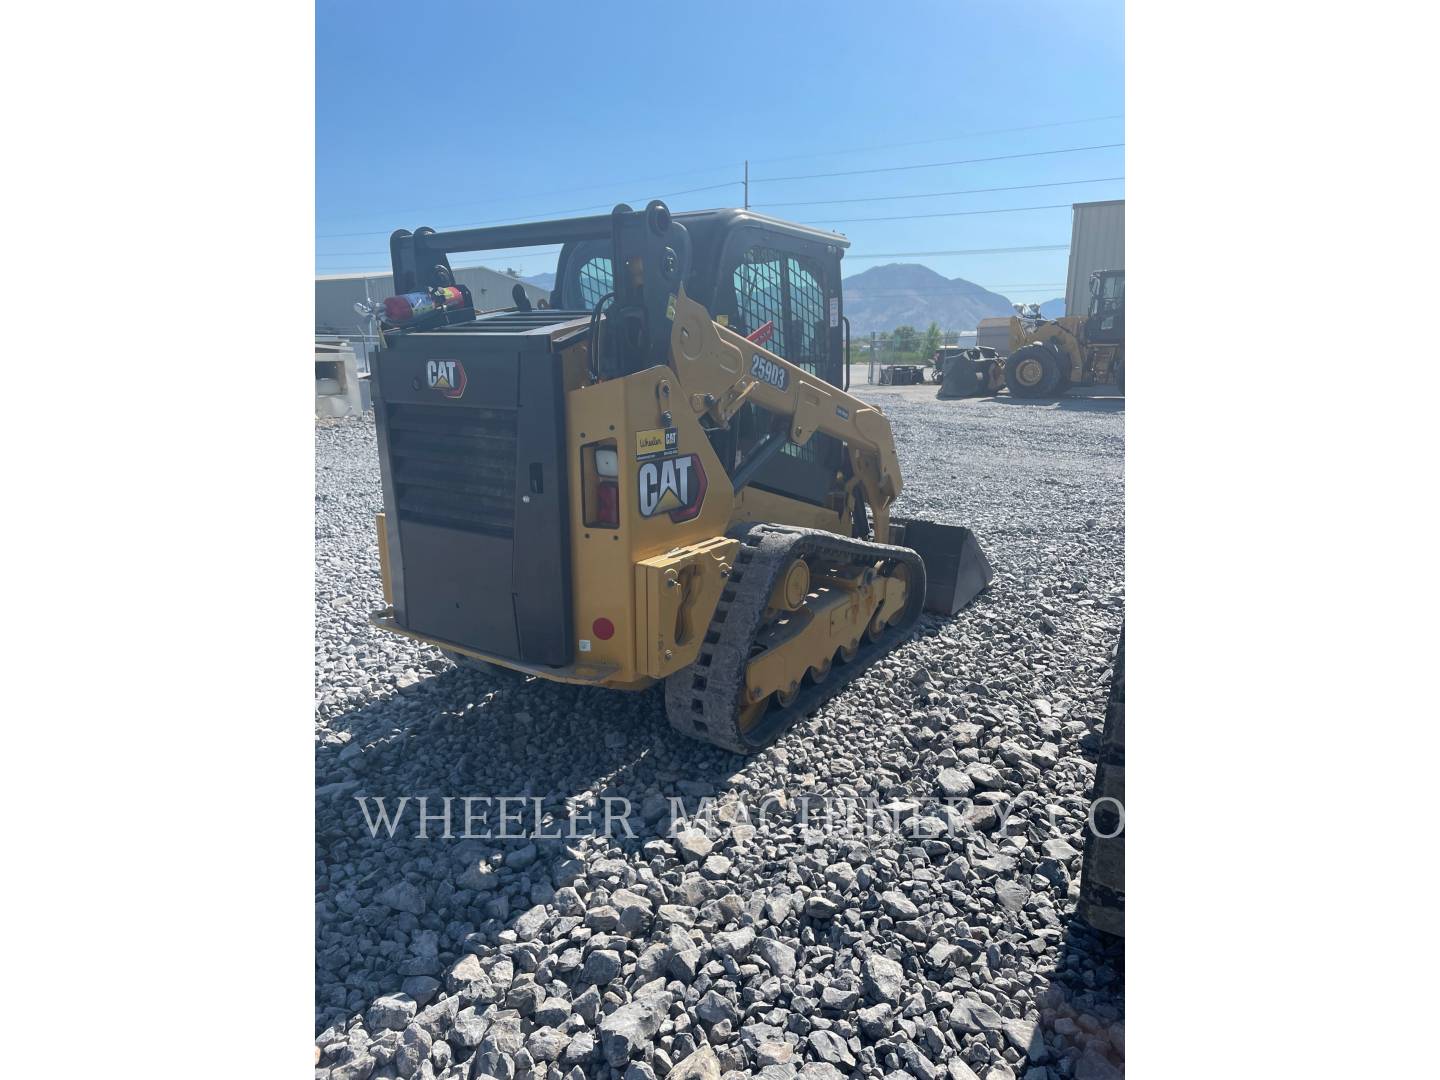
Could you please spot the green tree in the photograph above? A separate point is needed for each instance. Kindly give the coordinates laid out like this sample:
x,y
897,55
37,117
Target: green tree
x,y
932,339
905,339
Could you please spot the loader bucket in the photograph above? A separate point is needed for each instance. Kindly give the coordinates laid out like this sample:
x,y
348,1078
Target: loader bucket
x,y
956,570
963,378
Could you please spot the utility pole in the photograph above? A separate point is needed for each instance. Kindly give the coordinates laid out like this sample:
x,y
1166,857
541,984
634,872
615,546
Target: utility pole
x,y
747,185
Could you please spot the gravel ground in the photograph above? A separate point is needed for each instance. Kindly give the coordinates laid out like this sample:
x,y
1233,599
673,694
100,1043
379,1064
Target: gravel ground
x,y
937,944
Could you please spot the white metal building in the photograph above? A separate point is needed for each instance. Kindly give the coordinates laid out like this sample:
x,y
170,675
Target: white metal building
x,y
1097,242
336,295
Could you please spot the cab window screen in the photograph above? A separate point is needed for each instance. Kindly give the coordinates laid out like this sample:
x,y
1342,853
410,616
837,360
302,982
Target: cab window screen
x,y
807,312
779,288
595,279
782,289
760,295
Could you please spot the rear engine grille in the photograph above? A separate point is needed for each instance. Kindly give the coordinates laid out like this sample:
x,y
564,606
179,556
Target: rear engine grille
x,y
454,466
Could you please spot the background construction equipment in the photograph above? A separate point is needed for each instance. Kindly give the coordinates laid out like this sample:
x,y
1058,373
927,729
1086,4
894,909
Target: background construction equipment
x,y
1046,357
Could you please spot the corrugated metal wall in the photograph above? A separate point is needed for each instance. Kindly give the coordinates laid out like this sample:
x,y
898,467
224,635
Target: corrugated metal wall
x,y
335,297
996,334
1097,242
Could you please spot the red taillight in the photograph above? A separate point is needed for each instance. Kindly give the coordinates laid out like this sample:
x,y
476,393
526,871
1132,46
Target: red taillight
x,y
607,509
603,628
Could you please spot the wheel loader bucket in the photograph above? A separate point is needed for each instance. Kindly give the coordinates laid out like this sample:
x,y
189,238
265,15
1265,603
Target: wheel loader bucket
x,y
963,378
956,570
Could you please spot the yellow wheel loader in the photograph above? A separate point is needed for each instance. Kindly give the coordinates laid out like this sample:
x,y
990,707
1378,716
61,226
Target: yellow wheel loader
x,y
1046,357
656,476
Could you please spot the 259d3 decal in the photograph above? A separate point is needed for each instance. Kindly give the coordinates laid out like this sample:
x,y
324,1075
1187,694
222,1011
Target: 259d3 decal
x,y
766,370
673,485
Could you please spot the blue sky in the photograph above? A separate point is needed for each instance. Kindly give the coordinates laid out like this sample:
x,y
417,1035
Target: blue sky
x,y
470,113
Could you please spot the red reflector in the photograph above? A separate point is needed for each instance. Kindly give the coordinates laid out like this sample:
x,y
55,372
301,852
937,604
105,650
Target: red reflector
x,y
607,512
603,628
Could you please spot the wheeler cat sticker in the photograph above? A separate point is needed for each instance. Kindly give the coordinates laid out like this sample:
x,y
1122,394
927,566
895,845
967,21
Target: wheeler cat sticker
x,y
673,485
768,371
656,442
446,376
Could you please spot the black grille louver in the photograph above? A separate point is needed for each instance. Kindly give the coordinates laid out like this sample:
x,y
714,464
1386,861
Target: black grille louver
x,y
474,480
454,467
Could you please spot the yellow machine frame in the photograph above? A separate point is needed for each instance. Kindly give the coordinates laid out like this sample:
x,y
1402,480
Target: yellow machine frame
x,y
661,579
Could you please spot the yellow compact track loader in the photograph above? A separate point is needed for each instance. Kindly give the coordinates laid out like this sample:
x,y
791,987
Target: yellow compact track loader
x,y
655,477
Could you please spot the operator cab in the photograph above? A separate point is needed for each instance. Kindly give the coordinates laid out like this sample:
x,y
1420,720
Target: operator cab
x,y
1105,323
773,281
769,280
749,271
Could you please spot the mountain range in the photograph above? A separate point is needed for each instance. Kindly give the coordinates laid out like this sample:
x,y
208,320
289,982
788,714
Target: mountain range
x,y
898,294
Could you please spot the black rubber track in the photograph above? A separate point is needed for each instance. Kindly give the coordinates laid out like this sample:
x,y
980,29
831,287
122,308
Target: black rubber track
x,y
704,699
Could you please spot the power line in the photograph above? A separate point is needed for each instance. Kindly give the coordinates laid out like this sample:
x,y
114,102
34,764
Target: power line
x,y
952,213
960,251
848,255
553,191
550,214
519,252
827,221
939,194
475,266
935,164
946,138
538,216
716,168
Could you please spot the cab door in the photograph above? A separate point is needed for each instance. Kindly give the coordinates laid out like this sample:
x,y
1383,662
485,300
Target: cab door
x,y
1105,324
771,286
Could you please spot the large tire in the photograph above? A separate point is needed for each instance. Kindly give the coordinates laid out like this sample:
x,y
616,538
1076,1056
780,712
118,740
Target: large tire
x,y
1102,874
1032,371
1057,371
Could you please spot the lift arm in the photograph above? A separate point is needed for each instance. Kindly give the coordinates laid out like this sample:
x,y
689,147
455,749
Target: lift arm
x,y
719,371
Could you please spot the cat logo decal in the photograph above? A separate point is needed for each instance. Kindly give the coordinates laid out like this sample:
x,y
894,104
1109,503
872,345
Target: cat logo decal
x,y
446,376
674,485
